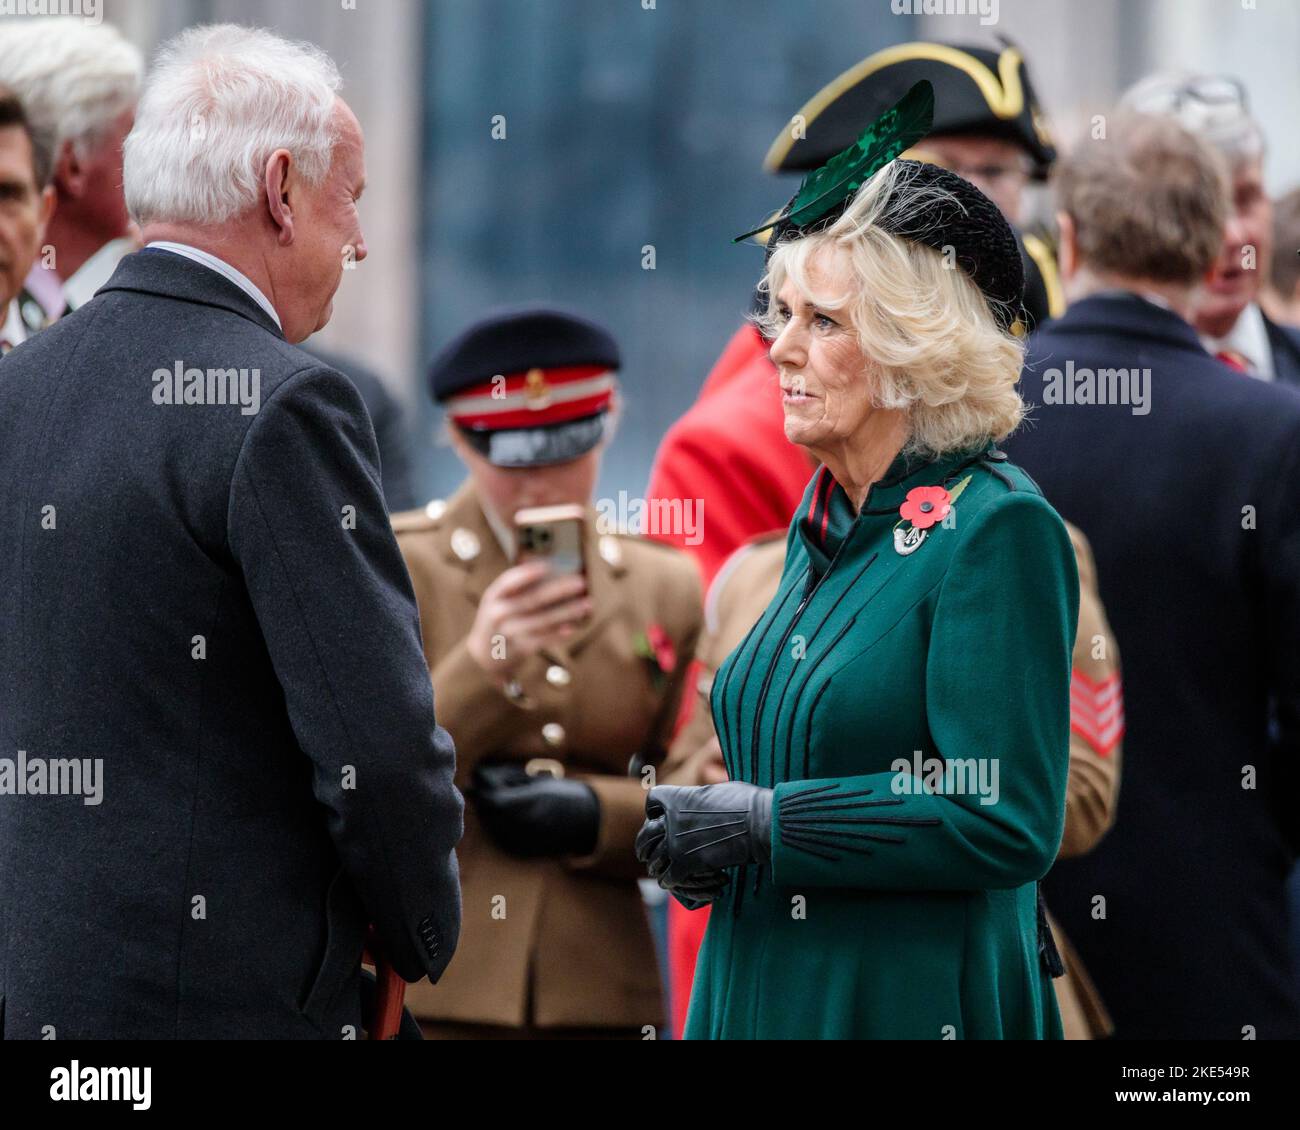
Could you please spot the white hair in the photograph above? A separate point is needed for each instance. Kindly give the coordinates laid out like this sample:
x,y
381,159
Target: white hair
x,y
1219,113
74,79
219,101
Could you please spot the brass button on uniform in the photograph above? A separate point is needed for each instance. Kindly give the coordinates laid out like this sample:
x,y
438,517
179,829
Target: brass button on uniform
x,y
553,734
558,676
610,550
465,544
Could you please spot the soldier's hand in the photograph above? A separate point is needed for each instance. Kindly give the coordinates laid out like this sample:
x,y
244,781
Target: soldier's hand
x,y
524,610
535,816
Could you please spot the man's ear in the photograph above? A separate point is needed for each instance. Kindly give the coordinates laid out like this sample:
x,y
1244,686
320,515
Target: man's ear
x,y
1067,247
46,209
69,173
281,178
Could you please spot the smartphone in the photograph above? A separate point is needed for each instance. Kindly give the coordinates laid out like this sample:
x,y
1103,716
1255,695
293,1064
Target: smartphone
x,y
555,534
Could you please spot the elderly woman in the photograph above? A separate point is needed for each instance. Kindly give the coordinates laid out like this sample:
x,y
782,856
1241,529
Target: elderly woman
x,y
895,726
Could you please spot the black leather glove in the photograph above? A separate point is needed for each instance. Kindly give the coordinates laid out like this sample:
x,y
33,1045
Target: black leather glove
x,y
699,890
535,816
692,834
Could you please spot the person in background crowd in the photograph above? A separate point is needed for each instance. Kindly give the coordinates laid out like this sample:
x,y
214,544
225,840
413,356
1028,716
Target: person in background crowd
x,y
1183,477
729,449
26,201
555,682
1231,323
1281,294
79,83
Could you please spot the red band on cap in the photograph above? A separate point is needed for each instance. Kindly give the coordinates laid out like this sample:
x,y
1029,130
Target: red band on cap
x,y
533,399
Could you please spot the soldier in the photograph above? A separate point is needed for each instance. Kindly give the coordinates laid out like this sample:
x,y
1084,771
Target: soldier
x,y
552,686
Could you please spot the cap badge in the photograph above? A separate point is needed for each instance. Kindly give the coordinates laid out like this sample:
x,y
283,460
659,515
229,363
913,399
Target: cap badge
x,y
908,541
537,392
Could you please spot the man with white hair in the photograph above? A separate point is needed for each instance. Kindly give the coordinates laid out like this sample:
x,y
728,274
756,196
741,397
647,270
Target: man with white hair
x,y
79,83
1231,324
208,638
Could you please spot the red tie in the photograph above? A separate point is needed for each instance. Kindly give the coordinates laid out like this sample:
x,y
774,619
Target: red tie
x,y
1233,360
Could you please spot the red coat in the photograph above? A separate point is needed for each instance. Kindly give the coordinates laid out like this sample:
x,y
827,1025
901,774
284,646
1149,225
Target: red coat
x,y
730,451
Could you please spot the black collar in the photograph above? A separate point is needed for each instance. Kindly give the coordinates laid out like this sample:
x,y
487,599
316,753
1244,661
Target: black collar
x,y
154,271
1120,312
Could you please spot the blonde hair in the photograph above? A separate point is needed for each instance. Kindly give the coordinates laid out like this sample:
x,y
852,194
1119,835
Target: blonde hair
x,y
936,350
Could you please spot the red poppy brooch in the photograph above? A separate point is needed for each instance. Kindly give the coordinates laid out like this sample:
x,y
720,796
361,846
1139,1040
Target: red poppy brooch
x,y
654,645
923,508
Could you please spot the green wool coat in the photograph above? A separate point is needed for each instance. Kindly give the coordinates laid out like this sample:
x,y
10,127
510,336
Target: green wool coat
x,y
898,906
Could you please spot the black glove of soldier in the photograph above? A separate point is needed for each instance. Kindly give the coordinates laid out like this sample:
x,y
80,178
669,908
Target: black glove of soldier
x,y
535,816
692,834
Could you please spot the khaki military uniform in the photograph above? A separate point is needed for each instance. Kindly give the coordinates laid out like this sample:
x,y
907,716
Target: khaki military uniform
x,y
742,590
549,943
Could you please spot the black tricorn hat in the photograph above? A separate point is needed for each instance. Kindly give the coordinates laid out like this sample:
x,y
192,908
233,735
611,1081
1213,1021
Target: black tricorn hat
x,y
976,91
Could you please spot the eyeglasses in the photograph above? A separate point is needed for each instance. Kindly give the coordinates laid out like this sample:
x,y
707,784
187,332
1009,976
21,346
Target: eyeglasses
x,y
1202,91
991,172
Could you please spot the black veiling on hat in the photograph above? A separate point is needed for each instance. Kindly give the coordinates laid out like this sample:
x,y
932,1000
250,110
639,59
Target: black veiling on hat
x,y
515,340
961,217
976,91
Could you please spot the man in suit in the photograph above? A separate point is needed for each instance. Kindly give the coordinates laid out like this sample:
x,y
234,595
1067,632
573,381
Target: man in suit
x,y
79,82
1182,474
208,639
1232,325
24,213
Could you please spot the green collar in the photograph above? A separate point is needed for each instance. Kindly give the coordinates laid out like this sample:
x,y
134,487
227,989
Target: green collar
x,y
828,516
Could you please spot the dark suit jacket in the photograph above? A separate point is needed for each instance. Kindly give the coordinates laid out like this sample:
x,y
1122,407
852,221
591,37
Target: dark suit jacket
x,y
185,594
1285,343
1206,614
391,432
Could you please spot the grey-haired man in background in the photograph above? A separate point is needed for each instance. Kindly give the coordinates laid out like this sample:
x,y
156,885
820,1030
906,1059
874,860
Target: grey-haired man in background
x,y
1231,324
